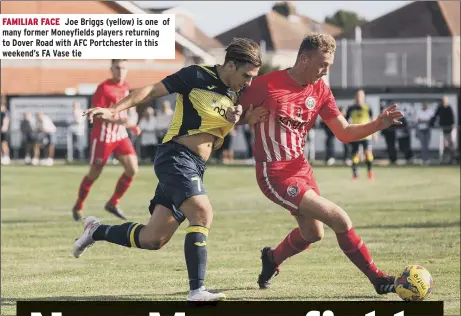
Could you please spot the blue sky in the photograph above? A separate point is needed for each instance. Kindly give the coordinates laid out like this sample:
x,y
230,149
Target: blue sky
x,y
212,17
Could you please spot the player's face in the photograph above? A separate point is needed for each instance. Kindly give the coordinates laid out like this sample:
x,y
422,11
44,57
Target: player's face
x,y
242,76
360,97
119,71
317,64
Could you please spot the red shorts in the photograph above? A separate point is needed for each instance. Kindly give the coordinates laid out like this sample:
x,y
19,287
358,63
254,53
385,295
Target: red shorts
x,y
286,182
100,151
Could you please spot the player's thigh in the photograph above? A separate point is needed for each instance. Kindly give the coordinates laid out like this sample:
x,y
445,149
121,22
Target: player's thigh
x,y
367,148
180,173
311,229
355,148
316,207
100,152
160,228
130,163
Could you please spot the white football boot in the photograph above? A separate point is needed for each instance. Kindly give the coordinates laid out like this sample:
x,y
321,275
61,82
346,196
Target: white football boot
x,y
85,241
202,295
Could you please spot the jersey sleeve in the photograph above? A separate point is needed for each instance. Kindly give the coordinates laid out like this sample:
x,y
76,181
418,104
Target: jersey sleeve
x,y
99,98
181,81
329,109
255,94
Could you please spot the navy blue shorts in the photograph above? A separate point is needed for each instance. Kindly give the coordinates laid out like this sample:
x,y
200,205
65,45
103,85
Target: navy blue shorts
x,y
366,143
180,175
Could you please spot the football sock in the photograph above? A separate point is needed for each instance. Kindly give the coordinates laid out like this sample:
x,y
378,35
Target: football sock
x,y
293,244
369,161
355,161
123,184
354,248
195,252
83,191
126,235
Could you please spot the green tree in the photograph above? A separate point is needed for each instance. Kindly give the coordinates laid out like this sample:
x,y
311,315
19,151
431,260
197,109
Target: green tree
x,y
346,20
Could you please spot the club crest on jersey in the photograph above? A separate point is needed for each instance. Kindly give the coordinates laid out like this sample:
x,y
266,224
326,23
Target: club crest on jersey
x,y
293,190
310,103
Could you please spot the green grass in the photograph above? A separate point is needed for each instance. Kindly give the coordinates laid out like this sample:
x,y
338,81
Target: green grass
x,y
408,215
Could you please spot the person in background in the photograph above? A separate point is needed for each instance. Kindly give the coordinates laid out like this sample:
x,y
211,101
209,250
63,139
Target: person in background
x,y
423,118
403,135
346,158
149,141
46,137
5,127
27,128
77,129
446,120
329,144
164,118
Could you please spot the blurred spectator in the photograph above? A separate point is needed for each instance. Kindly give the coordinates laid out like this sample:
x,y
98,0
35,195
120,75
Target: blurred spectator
x,y
390,138
423,130
164,120
46,138
29,137
329,144
149,141
225,153
310,145
77,129
347,159
5,127
248,136
446,121
403,135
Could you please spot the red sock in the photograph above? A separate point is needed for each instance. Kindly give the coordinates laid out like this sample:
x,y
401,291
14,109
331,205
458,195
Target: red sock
x,y
355,249
83,191
123,184
293,244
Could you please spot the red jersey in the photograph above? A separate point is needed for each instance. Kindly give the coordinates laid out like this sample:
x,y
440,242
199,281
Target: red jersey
x,y
107,94
293,111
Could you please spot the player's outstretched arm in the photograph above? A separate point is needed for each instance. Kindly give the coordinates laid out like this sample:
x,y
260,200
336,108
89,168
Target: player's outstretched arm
x,y
347,133
137,96
141,95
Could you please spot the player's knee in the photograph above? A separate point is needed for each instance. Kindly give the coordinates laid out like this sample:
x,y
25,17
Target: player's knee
x,y
94,173
369,156
342,222
132,171
314,236
157,244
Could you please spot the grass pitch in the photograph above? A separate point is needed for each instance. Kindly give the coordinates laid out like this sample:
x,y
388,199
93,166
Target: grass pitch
x,y
409,215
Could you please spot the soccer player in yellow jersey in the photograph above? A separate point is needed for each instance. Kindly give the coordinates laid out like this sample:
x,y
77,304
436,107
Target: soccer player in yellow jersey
x,y
205,113
360,113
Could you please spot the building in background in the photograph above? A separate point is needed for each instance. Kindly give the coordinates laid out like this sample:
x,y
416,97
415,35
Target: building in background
x,y
82,76
280,33
416,45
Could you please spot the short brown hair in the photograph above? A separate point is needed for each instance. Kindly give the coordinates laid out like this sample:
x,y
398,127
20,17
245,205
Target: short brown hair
x,y
325,42
242,51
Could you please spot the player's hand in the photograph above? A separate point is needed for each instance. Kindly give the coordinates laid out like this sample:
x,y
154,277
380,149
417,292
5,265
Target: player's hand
x,y
233,113
389,116
256,115
100,114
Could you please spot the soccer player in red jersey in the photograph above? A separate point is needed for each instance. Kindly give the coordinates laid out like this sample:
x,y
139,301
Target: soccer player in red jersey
x,y
108,138
294,98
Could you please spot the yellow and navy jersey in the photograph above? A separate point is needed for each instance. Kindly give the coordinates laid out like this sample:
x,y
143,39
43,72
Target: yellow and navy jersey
x,y
201,103
359,114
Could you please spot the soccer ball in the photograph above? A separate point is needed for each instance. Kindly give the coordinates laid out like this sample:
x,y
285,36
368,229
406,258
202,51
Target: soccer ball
x,y
414,283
